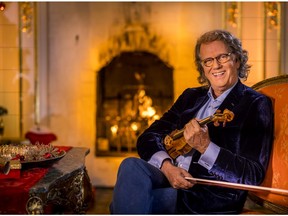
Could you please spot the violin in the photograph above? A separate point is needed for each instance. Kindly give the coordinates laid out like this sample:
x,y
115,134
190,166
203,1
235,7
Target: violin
x,y
175,143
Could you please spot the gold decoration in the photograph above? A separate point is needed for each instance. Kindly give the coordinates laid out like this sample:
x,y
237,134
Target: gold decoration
x,y
233,14
134,33
26,14
29,152
272,13
34,205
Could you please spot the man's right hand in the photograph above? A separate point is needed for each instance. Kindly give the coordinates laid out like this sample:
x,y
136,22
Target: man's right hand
x,y
176,175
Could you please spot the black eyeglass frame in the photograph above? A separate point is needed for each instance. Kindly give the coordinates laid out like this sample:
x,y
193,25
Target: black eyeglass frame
x,y
227,55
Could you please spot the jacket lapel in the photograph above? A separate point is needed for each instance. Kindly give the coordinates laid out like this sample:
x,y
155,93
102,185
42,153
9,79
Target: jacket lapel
x,y
191,113
233,98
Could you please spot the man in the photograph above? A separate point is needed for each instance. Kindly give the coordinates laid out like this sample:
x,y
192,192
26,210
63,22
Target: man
x,y
237,153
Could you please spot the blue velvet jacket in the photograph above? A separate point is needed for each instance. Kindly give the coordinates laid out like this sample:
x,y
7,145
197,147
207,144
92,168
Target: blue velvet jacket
x,y
245,145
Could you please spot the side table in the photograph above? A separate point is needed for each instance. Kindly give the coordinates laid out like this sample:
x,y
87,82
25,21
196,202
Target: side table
x,y
65,187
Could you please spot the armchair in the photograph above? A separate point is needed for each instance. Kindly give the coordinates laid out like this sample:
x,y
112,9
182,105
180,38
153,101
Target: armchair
x,y
277,174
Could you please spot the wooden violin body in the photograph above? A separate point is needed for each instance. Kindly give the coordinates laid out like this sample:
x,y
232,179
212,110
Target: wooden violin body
x,y
175,143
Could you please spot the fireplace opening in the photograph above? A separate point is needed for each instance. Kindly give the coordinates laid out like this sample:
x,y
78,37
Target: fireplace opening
x,y
133,91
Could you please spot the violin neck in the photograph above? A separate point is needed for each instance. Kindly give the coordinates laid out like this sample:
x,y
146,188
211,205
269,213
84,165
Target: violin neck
x,y
202,122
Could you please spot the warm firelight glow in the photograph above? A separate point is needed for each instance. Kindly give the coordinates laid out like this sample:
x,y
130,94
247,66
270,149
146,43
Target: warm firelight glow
x,y
2,6
148,113
156,117
134,126
114,129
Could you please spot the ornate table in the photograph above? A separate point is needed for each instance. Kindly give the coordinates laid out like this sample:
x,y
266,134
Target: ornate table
x,y
64,187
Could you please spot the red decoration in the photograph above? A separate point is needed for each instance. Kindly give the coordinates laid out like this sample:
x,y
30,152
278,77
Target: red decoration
x,y
45,138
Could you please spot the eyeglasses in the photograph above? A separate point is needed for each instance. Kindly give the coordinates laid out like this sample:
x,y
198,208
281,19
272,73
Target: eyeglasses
x,y
221,59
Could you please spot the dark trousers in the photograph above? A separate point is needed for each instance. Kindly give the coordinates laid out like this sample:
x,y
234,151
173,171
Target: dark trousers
x,y
142,189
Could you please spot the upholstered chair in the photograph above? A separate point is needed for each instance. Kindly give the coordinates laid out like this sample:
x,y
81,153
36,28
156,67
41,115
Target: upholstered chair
x,y
277,175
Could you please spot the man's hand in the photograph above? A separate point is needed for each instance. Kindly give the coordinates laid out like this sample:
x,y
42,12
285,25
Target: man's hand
x,y
176,176
196,136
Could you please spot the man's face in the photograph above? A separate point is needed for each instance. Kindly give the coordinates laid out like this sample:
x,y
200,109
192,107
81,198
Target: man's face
x,y
220,75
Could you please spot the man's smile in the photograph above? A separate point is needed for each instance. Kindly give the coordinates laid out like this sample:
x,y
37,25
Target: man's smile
x,y
218,74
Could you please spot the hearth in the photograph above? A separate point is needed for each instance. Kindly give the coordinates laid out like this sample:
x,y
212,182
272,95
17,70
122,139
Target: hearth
x,y
133,91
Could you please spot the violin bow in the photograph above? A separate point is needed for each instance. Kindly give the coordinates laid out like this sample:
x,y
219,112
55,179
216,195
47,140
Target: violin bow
x,y
253,188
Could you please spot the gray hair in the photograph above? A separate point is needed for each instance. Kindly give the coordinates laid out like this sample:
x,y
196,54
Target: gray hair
x,y
234,46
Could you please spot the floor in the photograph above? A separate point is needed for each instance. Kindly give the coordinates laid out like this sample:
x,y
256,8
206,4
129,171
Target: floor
x,y
103,197
102,200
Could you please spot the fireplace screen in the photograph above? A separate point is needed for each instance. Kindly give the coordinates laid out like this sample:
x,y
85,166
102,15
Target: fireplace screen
x,y
133,91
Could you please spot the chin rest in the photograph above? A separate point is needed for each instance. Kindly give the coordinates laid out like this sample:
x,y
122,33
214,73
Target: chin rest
x,y
277,174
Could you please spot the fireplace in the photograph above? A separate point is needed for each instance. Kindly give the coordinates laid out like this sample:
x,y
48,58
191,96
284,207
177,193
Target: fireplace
x,y
133,90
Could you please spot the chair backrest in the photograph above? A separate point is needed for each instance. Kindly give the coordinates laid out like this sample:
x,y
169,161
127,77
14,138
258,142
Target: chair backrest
x,y
277,174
